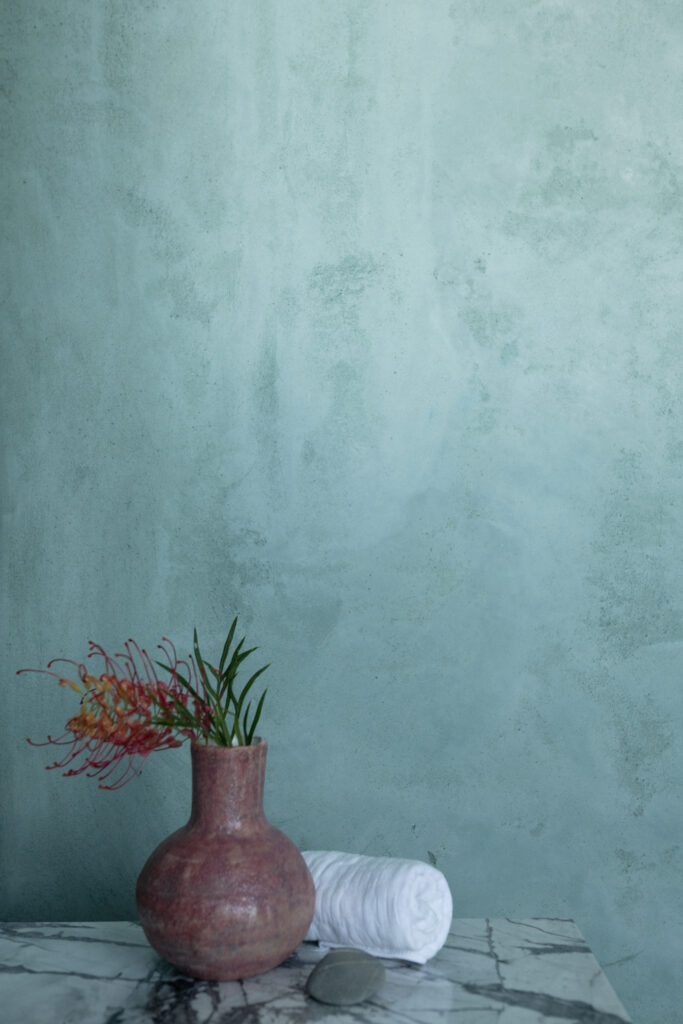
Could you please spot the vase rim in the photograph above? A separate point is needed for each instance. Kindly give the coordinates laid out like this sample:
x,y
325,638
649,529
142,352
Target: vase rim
x,y
258,741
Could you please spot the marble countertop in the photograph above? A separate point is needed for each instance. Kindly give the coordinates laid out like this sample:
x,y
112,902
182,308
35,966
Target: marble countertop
x,y
491,971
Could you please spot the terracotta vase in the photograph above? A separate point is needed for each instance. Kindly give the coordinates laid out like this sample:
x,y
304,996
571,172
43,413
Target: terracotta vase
x,y
227,896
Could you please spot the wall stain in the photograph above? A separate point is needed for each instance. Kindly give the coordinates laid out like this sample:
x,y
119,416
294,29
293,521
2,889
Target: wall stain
x,y
338,283
266,411
631,571
644,734
170,245
492,322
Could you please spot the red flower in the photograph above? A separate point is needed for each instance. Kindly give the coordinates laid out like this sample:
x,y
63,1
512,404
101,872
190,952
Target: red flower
x,y
126,713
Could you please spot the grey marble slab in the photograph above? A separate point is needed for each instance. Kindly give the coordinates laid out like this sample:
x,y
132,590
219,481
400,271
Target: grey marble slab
x,y
491,971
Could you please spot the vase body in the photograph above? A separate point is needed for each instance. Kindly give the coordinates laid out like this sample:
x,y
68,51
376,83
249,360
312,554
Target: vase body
x,y
228,895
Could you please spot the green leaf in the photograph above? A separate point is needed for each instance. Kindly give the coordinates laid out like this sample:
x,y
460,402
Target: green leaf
x,y
245,654
172,671
230,672
184,714
245,691
259,709
226,646
198,657
168,723
181,679
223,731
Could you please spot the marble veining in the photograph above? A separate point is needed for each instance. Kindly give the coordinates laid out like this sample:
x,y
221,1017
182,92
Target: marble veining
x,y
490,971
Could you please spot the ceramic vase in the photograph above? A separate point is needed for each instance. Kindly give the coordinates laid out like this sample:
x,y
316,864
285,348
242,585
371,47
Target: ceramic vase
x,y
228,895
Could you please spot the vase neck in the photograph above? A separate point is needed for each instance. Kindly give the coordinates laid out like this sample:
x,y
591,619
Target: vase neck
x,y
227,786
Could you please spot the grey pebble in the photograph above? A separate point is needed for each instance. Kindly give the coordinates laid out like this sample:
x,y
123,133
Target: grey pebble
x,y
345,976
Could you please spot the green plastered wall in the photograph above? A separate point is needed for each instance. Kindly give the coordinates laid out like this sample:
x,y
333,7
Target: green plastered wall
x,y
360,319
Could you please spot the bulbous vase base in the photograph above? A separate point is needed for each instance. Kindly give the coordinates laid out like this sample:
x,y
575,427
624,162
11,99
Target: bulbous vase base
x,y
228,895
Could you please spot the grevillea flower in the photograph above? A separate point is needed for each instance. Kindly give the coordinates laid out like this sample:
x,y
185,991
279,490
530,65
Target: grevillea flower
x,y
126,712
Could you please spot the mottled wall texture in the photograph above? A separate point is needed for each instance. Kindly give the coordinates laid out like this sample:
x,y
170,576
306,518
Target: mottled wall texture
x,y
360,319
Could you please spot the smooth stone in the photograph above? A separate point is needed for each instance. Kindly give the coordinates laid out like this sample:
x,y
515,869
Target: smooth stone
x,y
345,976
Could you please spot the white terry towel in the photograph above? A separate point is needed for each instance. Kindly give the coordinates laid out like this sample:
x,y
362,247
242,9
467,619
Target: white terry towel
x,y
400,909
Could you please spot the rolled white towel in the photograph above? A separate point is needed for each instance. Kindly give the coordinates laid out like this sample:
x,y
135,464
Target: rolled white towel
x,y
400,909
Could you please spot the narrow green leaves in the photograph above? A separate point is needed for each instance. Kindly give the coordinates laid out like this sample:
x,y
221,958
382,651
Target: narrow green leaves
x,y
227,721
226,646
250,730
